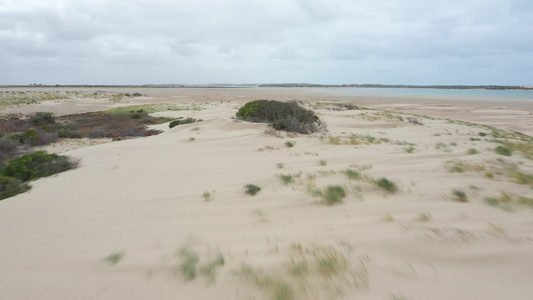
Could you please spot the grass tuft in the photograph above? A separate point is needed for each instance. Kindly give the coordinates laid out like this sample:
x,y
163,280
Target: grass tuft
x,y
459,196
114,258
386,185
503,151
286,178
251,189
333,194
189,261
352,174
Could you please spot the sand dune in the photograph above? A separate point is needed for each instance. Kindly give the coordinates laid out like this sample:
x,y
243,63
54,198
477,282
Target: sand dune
x,y
121,225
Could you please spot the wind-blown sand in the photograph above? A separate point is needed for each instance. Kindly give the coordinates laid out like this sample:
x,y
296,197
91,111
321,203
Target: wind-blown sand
x,y
143,199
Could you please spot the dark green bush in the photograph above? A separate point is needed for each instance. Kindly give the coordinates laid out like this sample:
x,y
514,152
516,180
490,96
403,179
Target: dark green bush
x,y
503,151
8,149
36,165
14,136
333,194
288,116
42,119
10,187
181,122
386,184
251,189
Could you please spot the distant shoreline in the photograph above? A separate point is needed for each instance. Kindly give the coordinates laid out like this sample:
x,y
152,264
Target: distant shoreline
x,y
283,85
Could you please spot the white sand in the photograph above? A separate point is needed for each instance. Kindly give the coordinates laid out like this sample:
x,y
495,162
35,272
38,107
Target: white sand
x,y
143,198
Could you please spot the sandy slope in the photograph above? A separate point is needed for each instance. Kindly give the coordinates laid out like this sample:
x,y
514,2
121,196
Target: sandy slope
x,y
143,198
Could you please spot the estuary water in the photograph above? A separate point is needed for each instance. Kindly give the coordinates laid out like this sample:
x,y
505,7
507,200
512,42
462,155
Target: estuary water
x,y
431,92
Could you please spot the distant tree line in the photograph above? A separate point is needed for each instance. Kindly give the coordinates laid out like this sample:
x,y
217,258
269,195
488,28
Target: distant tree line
x,y
464,87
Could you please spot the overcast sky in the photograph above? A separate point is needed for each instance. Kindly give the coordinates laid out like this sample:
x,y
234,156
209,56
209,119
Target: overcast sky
x,y
267,41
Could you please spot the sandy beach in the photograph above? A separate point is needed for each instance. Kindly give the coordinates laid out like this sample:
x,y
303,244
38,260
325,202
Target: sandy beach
x,y
139,215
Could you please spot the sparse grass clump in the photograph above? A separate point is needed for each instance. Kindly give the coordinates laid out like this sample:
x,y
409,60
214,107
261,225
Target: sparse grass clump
x,y
288,116
424,217
472,151
114,258
519,177
278,288
208,196
508,201
526,149
190,267
387,185
410,149
209,269
332,194
189,262
503,151
459,196
456,166
310,272
251,189
181,122
289,144
286,178
352,174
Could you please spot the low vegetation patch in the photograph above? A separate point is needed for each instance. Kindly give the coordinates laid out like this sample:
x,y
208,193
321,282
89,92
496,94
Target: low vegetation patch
x,y
190,266
459,196
508,201
352,174
387,185
15,175
37,165
472,151
309,273
43,128
332,194
503,151
182,121
288,116
457,166
251,189
286,178
10,187
354,139
114,258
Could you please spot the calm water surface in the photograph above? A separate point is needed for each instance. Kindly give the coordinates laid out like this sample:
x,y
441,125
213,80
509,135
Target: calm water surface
x,y
463,93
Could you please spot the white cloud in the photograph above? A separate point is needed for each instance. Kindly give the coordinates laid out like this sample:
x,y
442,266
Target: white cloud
x,y
336,41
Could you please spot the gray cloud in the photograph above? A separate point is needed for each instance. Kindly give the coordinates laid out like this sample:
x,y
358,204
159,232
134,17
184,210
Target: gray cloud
x,y
336,41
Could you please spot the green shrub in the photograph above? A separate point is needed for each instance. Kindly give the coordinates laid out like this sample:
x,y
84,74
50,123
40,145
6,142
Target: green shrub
x,y
181,122
286,178
10,187
288,116
386,184
352,174
289,144
14,136
8,149
472,151
42,118
251,189
459,195
503,151
36,165
333,194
